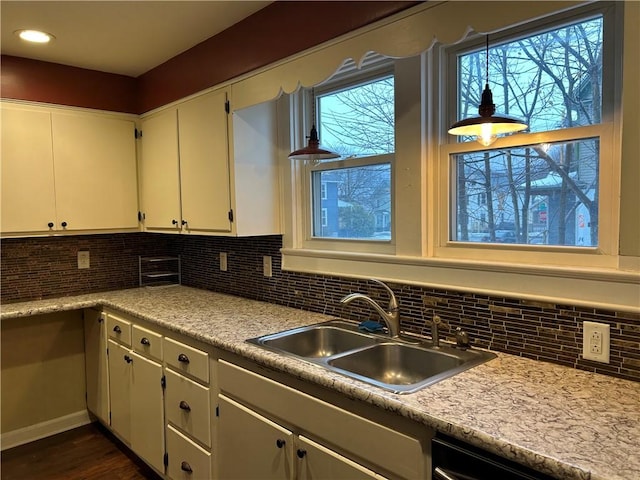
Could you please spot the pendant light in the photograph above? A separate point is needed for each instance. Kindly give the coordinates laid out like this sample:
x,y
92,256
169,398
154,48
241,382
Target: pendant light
x,y
313,151
486,126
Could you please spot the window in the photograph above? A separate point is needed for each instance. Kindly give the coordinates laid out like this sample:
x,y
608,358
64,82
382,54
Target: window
x,y
351,197
525,192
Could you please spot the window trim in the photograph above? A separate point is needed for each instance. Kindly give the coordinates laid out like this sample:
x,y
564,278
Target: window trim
x,y
602,256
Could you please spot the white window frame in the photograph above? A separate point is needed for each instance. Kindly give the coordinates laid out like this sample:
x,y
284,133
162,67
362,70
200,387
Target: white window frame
x,y
602,256
350,78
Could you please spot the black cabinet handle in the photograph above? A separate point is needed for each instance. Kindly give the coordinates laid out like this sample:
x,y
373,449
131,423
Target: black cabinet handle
x,y
128,359
184,222
280,443
185,467
174,222
64,224
183,358
117,329
301,453
145,341
50,224
184,406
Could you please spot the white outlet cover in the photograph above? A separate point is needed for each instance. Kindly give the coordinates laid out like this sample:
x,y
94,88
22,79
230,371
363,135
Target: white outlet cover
x,y
600,351
83,260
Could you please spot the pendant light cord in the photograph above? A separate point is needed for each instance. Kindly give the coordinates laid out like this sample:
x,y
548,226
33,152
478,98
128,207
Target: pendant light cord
x,y
487,61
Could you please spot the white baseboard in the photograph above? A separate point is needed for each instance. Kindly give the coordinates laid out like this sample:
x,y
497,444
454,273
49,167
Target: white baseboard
x,y
44,429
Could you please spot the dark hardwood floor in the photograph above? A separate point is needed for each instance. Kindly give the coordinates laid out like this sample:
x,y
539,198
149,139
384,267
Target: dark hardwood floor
x,y
88,453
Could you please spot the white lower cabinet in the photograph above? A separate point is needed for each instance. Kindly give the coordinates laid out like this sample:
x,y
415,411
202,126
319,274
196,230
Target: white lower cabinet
x,y
251,446
267,429
136,402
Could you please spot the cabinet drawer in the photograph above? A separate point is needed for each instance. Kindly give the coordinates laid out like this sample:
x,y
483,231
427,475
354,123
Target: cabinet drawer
x,y
187,461
119,328
186,359
147,342
187,406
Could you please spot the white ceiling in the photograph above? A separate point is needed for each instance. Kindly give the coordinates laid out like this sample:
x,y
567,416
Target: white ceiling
x,y
125,37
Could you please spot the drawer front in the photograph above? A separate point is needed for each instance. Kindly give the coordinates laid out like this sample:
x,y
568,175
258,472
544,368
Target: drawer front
x,y
119,329
146,342
187,461
187,406
186,359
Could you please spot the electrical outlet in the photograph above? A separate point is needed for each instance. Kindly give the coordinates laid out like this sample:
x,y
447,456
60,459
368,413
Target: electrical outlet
x,y
223,261
83,259
595,341
266,266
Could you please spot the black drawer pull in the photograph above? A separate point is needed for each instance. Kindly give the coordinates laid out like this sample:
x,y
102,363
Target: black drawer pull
x,y
145,341
128,359
185,467
280,443
184,406
117,329
64,224
50,224
301,453
183,358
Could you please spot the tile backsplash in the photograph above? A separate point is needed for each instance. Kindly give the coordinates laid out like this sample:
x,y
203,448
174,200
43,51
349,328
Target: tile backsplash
x,y
47,267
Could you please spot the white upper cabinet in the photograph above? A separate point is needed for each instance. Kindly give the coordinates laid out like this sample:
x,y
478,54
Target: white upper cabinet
x,y
66,170
195,179
204,163
160,171
95,171
28,192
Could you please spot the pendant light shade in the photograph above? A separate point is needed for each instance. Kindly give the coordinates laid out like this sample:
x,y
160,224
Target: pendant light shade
x,y
486,127
313,151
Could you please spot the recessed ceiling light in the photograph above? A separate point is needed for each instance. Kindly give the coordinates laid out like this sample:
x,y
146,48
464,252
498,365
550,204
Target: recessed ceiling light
x,y
34,36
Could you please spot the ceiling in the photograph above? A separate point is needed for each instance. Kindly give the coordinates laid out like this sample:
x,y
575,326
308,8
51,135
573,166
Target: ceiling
x,y
123,37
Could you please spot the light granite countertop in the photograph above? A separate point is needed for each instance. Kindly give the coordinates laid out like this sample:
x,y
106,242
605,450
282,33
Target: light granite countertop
x,y
564,422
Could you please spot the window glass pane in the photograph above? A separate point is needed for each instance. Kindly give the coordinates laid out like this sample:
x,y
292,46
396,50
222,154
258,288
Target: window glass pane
x,y
357,203
539,194
551,80
358,121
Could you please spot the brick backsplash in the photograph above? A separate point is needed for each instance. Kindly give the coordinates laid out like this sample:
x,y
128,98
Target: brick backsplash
x,y
46,267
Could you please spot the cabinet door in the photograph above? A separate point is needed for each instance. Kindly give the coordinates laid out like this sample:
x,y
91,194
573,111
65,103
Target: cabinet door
x,y
251,446
317,462
95,171
147,420
159,172
96,366
120,389
28,194
204,163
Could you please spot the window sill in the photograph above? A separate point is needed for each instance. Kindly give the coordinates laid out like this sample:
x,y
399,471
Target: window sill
x,y
611,289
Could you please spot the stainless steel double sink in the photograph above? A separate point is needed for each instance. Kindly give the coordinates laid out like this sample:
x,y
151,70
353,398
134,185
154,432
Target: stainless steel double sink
x,y
402,365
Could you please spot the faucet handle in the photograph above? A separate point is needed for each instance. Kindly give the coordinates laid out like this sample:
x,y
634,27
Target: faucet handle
x,y
462,339
393,303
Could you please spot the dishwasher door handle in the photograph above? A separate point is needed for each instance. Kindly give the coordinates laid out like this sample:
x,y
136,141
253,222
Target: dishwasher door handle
x,y
440,474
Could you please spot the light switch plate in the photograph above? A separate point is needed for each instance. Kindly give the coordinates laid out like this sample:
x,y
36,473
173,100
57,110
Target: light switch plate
x,y
223,261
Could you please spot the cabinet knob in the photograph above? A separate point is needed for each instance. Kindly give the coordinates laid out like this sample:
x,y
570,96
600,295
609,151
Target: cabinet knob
x,y
185,467
50,224
183,358
145,341
301,453
184,222
184,406
174,222
64,224
128,359
280,443
117,329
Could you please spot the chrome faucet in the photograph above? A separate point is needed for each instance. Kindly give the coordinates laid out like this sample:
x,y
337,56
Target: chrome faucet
x,y
391,316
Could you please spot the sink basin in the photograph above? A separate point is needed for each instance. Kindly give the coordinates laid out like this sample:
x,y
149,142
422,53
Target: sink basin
x,y
318,342
402,365
397,364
